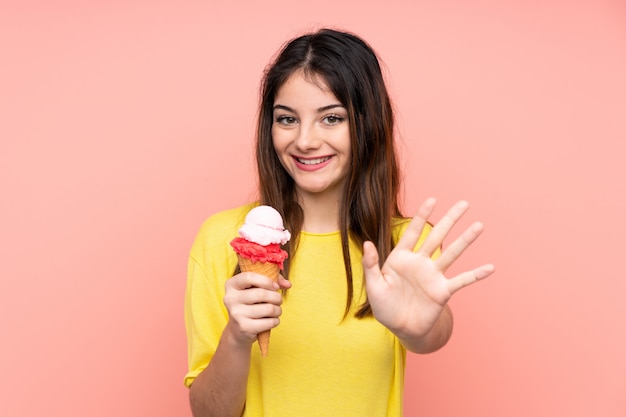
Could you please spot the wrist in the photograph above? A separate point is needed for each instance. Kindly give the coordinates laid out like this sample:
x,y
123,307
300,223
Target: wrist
x,y
234,340
428,340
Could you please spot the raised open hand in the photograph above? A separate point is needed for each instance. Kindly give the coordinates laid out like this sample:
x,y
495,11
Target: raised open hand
x,y
410,291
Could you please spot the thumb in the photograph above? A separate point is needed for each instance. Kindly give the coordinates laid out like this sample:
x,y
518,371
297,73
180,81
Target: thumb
x,y
283,283
371,270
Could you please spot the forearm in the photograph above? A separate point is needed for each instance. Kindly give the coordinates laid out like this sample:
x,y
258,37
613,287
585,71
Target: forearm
x,y
436,337
220,390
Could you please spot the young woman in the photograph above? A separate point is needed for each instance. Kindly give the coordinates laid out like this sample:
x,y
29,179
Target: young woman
x,y
364,284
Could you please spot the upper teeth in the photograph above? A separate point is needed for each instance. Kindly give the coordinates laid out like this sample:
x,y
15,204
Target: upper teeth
x,y
313,161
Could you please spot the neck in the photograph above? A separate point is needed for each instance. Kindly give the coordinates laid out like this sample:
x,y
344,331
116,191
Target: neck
x,y
321,212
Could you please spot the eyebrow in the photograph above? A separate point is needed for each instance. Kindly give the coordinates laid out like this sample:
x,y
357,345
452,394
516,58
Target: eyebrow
x,y
319,110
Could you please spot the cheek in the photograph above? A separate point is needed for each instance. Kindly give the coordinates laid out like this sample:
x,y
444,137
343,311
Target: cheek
x,y
343,142
275,137
280,140
279,144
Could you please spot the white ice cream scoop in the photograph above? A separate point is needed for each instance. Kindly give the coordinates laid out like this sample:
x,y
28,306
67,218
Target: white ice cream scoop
x,y
264,225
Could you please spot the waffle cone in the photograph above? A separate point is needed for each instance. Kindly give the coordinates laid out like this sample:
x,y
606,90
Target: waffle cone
x,y
269,270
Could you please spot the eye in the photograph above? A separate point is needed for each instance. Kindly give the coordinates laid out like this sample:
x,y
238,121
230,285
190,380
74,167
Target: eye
x,y
285,120
333,119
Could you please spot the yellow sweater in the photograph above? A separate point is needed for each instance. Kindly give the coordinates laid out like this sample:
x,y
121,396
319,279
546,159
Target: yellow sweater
x,y
318,364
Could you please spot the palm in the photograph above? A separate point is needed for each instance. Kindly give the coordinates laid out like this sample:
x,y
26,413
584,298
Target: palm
x,y
410,290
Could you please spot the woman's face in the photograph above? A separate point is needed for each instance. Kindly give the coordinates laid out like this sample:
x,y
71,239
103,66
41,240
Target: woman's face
x,y
311,135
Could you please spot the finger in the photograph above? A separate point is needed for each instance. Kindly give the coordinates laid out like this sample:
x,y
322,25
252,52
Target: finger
x,y
246,315
371,269
442,228
413,231
259,295
263,311
466,278
246,280
254,326
456,248
284,283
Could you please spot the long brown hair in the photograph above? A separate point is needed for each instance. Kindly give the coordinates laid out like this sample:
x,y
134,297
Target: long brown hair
x,y
352,71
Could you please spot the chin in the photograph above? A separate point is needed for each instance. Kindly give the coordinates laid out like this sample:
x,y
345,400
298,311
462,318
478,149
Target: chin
x,y
318,188
312,190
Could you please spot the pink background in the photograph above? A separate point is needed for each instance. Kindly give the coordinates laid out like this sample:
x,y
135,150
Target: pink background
x,y
123,124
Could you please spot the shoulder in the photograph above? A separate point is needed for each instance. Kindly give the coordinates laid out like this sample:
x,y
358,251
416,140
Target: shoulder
x,y
227,220
399,225
219,229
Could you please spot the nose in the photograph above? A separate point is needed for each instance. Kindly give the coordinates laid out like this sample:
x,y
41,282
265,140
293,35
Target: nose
x,y
308,138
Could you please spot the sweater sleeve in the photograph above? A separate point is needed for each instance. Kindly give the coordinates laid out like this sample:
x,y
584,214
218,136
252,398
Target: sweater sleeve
x,y
399,227
211,263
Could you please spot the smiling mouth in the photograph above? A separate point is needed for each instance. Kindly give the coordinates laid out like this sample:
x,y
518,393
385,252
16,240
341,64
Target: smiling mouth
x,y
313,161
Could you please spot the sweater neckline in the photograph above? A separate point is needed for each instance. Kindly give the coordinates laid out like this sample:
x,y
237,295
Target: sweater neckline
x,y
311,234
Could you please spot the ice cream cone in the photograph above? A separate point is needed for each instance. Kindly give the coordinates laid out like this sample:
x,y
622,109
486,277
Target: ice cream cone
x,y
258,249
270,270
